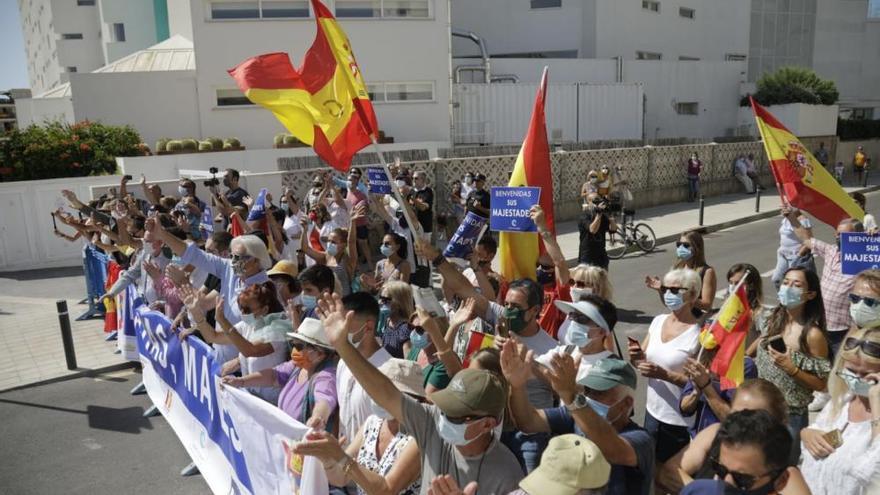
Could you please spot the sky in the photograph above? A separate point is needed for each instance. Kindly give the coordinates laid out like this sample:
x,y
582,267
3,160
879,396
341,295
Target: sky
x,y
13,65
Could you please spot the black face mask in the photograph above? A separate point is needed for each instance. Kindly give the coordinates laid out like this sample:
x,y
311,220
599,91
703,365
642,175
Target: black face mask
x,y
226,182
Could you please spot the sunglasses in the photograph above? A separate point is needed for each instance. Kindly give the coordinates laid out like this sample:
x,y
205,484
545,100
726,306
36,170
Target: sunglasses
x,y
868,347
741,480
674,290
301,346
464,419
418,329
869,301
384,300
582,319
236,258
679,244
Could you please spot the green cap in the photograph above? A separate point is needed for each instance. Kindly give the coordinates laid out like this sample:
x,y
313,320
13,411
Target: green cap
x,y
472,393
608,373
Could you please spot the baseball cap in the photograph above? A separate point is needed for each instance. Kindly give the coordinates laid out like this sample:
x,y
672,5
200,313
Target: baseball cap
x,y
406,376
284,267
472,393
585,308
569,463
311,331
608,373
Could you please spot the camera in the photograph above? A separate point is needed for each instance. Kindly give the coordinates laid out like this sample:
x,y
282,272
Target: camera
x,y
127,177
212,182
213,170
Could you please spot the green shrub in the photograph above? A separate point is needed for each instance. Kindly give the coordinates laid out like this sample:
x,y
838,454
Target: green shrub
x,y
174,145
232,143
190,144
288,139
59,149
216,143
206,146
852,129
161,144
794,85
279,139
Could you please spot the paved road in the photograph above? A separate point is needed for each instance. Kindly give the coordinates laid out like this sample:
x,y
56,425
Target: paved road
x,y
87,436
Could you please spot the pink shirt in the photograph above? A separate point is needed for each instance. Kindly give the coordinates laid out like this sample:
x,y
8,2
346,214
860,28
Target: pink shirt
x,y
354,198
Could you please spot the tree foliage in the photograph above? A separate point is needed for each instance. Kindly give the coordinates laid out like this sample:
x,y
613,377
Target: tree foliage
x,y
794,85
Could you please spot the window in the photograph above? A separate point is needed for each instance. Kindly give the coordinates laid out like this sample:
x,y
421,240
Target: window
x,y
358,8
862,113
406,8
235,10
546,4
118,33
688,59
383,8
231,98
85,3
401,92
873,9
651,5
273,9
648,56
687,108
686,12
70,69
72,36
735,57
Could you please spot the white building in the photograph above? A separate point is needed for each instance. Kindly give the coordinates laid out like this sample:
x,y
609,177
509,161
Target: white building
x,y
68,36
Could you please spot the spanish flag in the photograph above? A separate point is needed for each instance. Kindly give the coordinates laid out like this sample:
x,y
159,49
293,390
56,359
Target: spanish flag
x,y
802,181
519,250
728,334
477,341
325,103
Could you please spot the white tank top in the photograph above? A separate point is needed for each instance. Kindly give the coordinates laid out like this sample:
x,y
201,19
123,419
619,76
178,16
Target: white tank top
x,y
663,397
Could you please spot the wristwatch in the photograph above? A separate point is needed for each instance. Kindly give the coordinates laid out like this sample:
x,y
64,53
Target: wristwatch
x,y
579,402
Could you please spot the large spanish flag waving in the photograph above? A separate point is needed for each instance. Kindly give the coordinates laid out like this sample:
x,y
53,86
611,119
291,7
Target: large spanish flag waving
x,y
728,333
519,250
325,103
802,181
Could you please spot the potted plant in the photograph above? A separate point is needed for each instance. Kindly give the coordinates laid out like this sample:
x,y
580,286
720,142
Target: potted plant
x,y
232,144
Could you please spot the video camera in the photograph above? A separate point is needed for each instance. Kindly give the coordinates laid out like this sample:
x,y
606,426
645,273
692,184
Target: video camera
x,y
213,181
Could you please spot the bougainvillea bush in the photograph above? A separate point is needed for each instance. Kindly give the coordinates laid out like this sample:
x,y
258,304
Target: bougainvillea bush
x,y
60,149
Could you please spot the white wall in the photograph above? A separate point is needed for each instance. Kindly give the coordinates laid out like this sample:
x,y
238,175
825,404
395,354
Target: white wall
x,y
39,110
562,70
180,18
387,50
85,54
802,120
713,85
139,20
157,104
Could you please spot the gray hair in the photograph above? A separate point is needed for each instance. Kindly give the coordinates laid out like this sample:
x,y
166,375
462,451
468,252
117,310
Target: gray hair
x,y
857,225
688,279
253,246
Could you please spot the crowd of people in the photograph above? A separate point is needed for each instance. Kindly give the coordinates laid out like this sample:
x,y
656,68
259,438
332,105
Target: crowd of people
x,y
325,308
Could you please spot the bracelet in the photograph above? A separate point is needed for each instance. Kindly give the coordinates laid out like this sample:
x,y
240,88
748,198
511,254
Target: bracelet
x,y
349,464
796,371
701,387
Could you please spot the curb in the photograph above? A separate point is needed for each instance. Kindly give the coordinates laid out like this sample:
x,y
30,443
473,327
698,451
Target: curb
x,y
79,374
708,229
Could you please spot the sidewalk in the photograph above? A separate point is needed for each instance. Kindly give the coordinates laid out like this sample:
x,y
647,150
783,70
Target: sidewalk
x,y
30,334
720,212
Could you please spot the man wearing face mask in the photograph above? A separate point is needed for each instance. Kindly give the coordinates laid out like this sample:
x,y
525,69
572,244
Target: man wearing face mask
x,y
835,285
186,188
458,434
594,227
316,192
247,266
479,200
597,406
234,193
150,252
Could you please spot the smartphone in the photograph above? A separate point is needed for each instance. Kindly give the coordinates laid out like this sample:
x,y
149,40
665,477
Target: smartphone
x,y
834,437
127,177
777,344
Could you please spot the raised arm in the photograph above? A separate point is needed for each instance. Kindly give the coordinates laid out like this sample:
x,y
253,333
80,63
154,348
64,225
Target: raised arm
x,y
563,276
151,194
360,211
455,281
516,366
804,234
432,325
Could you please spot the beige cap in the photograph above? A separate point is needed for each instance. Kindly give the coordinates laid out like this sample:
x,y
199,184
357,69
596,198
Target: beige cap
x,y
311,331
406,376
284,267
569,463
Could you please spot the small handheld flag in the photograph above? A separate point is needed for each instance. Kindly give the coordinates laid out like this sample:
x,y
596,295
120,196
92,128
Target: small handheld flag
x,y
727,333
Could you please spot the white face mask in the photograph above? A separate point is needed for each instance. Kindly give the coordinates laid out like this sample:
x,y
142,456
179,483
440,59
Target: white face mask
x,y
400,183
865,316
577,293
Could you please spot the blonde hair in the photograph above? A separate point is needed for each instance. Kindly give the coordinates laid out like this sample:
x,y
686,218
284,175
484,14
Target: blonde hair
x,y
401,296
596,277
836,386
689,279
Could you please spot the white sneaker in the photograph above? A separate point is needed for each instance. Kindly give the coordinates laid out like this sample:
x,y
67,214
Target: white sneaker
x,y
819,401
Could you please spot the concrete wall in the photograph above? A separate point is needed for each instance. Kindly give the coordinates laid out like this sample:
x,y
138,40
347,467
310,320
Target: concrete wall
x,y
847,149
166,106
394,50
562,70
802,120
180,18
85,54
139,20
37,111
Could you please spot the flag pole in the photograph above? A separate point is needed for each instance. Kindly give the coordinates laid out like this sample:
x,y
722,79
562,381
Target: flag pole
x,y
726,301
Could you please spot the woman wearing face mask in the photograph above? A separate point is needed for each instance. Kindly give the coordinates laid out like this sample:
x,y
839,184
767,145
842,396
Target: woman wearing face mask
x,y
259,336
381,458
590,320
456,208
755,293
591,186
340,253
586,280
843,453
394,267
793,351
690,253
672,339
307,382
293,218
395,307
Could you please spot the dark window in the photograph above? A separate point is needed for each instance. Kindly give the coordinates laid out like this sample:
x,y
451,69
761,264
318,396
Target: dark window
x,y
72,36
276,9
546,4
85,3
118,32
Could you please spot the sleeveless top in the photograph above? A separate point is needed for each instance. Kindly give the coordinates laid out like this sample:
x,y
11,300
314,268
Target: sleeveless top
x,y
662,399
366,456
383,264
344,280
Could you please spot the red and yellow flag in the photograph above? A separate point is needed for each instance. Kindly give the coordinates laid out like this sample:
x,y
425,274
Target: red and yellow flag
x,y
802,181
477,341
728,334
519,251
325,103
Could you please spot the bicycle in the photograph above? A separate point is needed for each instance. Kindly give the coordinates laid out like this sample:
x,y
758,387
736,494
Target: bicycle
x,y
629,234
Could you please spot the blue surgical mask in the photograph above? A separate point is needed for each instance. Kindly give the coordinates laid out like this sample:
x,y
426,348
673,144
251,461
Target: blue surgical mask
x,y
379,411
683,253
182,191
249,319
673,301
386,250
790,296
451,433
332,248
309,302
578,334
285,207
384,314
856,384
600,408
419,340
